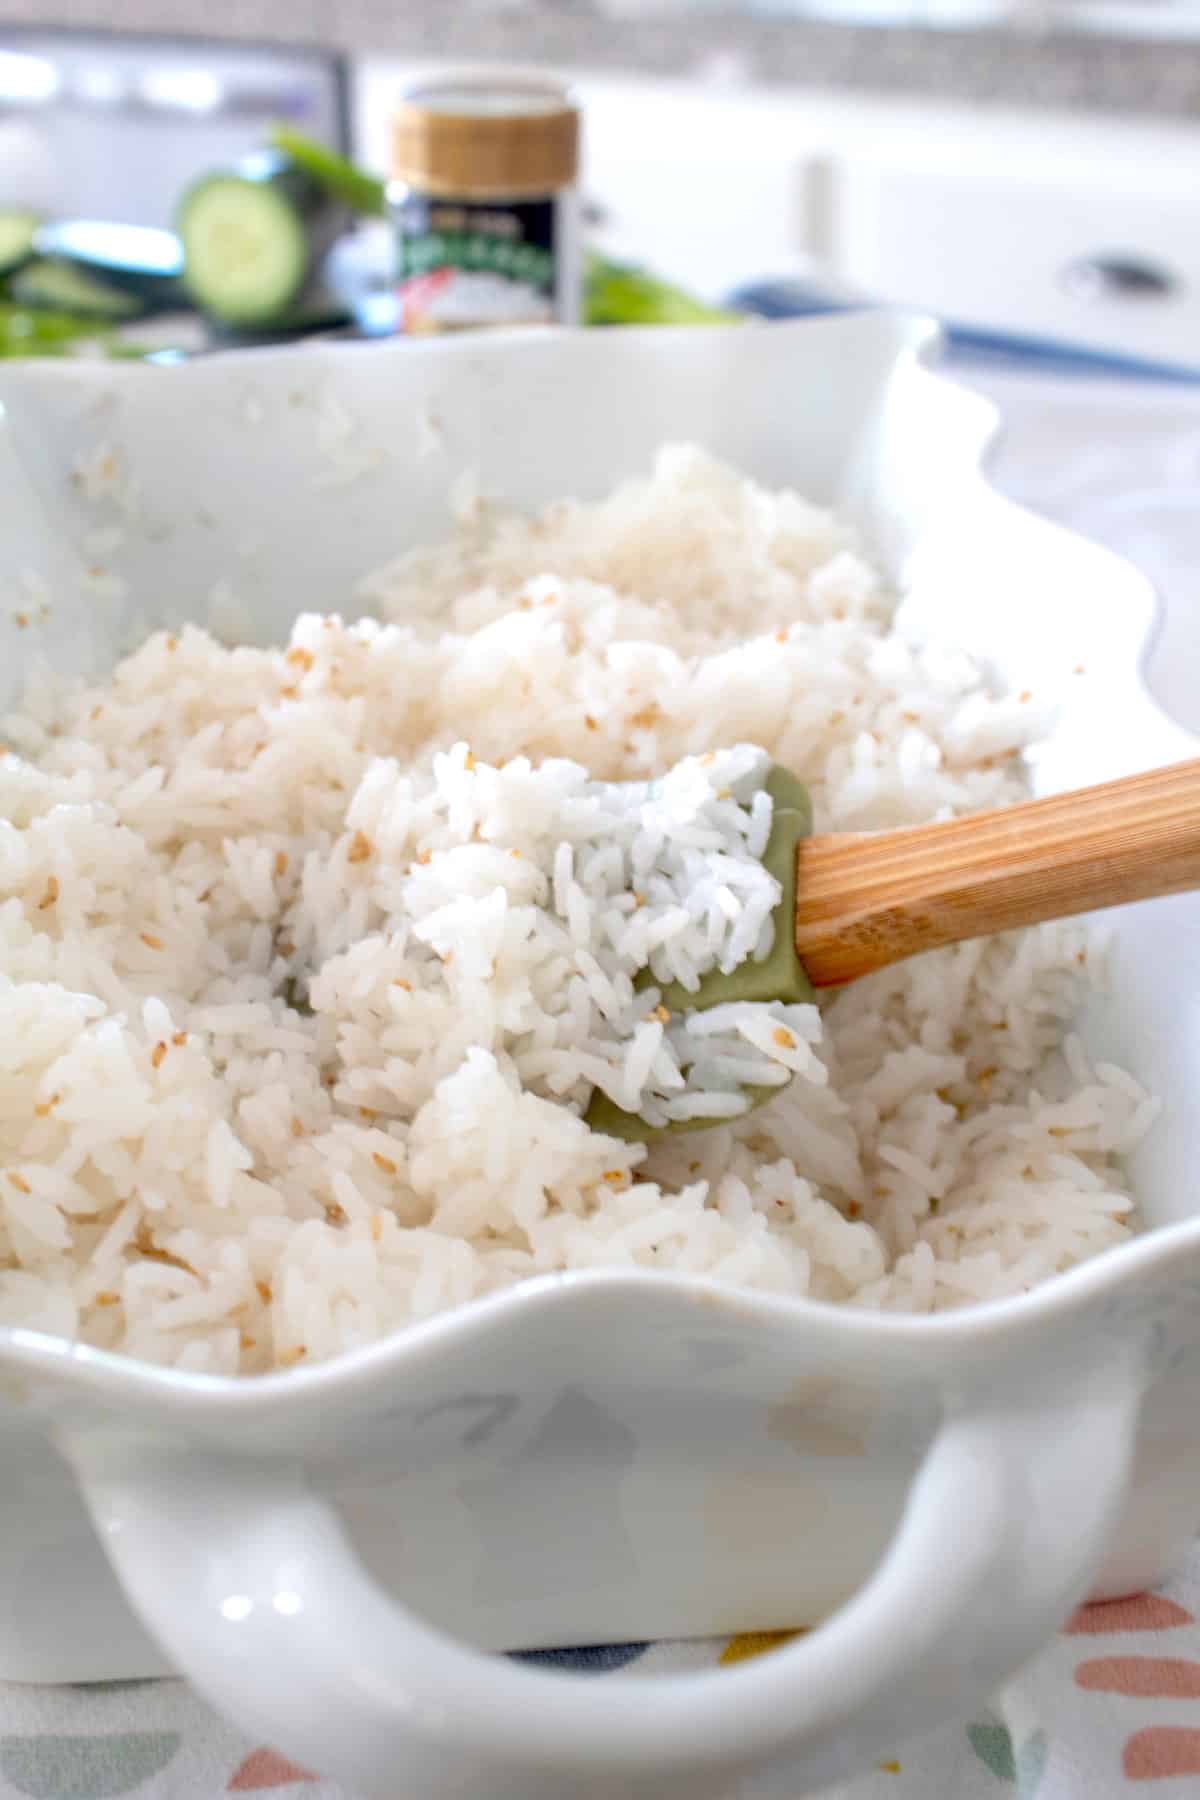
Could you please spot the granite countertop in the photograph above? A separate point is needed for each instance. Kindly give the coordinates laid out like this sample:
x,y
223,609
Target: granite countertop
x,y
1017,64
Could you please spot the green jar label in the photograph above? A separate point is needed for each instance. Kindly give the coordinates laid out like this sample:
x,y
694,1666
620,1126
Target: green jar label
x,y
466,263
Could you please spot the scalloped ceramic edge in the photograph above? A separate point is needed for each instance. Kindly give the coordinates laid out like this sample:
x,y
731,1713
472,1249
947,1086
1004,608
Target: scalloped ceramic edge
x,y
613,1455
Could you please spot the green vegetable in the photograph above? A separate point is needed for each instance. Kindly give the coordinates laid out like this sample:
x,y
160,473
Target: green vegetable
x,y
254,239
620,294
134,259
61,287
27,333
17,233
364,194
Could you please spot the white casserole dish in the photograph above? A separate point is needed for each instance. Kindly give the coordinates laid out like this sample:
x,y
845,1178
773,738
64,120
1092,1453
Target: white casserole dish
x,y
600,1458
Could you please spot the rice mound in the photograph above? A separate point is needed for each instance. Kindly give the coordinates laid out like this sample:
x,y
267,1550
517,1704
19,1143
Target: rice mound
x,y
300,1003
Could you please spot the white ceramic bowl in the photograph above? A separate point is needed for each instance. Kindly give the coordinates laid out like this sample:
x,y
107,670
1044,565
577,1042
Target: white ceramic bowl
x,y
601,1457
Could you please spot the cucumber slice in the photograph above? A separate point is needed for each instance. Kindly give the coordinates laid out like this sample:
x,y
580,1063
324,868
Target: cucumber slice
x,y
17,233
245,249
253,237
364,194
55,286
136,259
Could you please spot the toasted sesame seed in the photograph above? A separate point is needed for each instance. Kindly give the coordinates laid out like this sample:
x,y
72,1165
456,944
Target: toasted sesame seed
x,y
106,1297
300,658
172,643
281,862
20,1183
246,1342
22,620
376,1226
151,942
662,1013
50,895
157,1054
469,760
590,722
614,1174
853,1209
400,982
383,1162
45,1106
368,1113
783,1037
360,848
95,713
287,1358
297,1128
178,1038
423,857
263,1289
335,1214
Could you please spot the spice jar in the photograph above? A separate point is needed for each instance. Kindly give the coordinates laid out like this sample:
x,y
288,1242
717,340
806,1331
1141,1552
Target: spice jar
x,y
484,203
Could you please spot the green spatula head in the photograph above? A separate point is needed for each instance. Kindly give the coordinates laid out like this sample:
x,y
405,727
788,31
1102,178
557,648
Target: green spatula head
x,y
778,976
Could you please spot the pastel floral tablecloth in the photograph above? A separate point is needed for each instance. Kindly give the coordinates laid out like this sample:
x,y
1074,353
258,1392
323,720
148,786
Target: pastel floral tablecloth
x,y
1112,1707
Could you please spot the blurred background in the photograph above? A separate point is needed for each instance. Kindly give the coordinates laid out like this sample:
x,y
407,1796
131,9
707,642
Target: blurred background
x,y
1014,166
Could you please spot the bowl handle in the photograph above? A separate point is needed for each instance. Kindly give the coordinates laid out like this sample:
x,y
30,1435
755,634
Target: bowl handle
x,y
247,1578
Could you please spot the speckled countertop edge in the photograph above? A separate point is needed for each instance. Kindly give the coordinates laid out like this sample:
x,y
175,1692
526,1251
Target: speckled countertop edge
x,y
1059,68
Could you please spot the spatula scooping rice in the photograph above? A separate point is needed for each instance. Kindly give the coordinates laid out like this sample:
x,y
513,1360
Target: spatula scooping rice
x,y
856,902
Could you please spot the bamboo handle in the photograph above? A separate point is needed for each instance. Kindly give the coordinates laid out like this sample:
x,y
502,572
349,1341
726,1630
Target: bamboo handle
x,y
863,901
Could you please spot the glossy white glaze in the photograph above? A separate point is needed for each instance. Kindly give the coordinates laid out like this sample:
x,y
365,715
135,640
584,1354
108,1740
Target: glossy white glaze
x,y
610,1456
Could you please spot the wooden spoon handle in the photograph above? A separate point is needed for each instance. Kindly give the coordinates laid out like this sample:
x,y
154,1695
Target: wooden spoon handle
x,y
863,901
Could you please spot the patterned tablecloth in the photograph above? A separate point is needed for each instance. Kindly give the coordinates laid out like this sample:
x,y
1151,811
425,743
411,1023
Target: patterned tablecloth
x,y
1114,1702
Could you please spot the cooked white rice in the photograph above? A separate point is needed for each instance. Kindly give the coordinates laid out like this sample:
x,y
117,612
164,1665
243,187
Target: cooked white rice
x,y
310,958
